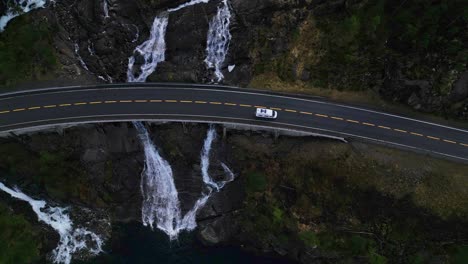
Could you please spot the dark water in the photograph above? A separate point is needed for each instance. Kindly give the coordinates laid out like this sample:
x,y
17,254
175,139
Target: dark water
x,y
133,243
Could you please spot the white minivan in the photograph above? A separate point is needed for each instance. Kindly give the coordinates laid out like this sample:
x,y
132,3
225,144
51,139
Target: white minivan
x,y
266,113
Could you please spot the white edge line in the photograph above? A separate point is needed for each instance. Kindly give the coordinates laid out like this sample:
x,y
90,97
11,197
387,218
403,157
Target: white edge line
x,y
228,91
179,120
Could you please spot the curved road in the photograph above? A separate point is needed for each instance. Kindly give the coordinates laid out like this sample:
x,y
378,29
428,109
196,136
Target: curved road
x,y
34,108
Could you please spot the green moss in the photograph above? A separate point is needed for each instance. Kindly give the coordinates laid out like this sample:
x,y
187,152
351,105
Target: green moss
x,y
19,242
255,182
26,51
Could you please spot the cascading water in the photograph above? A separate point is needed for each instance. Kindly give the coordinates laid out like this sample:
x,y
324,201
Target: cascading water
x,y
23,6
72,239
152,51
218,39
161,204
191,3
77,53
105,7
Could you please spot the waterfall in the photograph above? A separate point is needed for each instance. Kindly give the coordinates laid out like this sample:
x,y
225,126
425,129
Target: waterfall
x,y
23,6
161,204
218,39
77,53
71,240
192,2
105,7
152,51
160,197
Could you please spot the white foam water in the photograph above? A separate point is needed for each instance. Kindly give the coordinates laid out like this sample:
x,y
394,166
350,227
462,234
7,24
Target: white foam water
x,y
105,7
77,53
72,239
218,40
190,3
161,206
152,51
22,6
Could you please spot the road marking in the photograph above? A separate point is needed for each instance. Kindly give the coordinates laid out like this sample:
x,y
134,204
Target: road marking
x,y
34,108
170,101
306,113
449,141
200,102
320,115
260,106
4,112
125,101
80,103
384,127
96,102
466,145
110,102
276,108
368,124
62,105
231,104
50,106
290,110
434,138
416,134
19,109
400,130
337,118
215,103
245,105
186,101
140,101
156,101
352,121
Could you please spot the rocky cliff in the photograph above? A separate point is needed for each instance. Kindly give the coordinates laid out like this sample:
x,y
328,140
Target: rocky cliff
x,y
309,199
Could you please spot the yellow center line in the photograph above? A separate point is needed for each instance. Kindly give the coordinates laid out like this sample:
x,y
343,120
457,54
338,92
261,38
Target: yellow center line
x,y
96,102
306,113
170,101
399,130
231,104
140,101
434,138
19,109
186,101
80,103
337,118
352,121
200,102
34,108
156,101
416,134
4,112
260,106
245,105
320,115
290,110
384,127
215,103
62,105
125,101
466,145
368,124
110,102
50,106
276,108
449,141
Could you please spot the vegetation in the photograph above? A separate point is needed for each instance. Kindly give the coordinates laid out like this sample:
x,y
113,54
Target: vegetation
x,y
19,241
344,204
350,48
26,51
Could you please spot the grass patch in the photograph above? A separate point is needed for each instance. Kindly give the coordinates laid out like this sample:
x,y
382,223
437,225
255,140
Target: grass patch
x,y
26,51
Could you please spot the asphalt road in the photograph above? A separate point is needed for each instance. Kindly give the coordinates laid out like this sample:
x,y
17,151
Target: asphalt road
x,y
35,108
